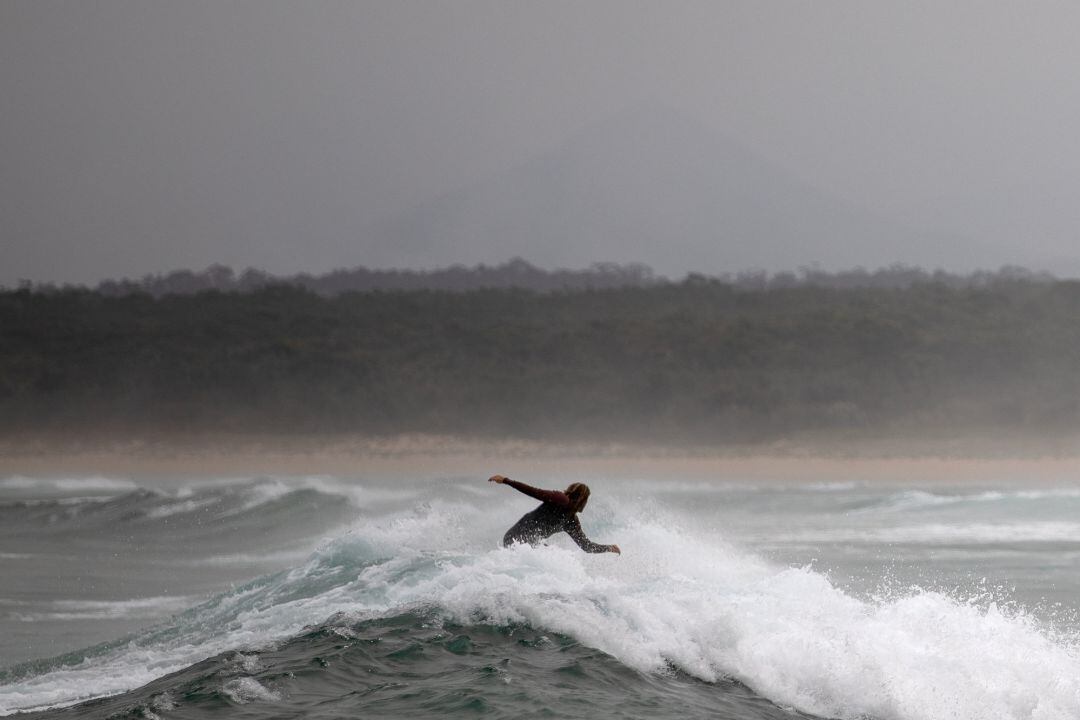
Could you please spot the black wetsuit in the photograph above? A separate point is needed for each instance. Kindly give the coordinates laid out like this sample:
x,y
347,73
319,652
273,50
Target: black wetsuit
x,y
553,516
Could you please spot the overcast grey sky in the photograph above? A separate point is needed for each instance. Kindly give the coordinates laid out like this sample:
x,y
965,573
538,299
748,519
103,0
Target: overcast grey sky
x,y
147,135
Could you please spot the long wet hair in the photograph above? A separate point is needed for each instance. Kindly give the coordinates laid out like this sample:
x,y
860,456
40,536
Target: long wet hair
x,y
579,495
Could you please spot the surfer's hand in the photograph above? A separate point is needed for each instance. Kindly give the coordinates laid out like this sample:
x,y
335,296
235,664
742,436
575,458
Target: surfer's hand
x,y
500,479
615,549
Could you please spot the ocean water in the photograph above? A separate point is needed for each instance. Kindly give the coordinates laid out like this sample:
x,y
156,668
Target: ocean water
x,y
328,597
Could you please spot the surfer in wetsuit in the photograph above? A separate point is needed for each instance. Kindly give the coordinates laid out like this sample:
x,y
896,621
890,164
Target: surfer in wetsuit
x,y
557,513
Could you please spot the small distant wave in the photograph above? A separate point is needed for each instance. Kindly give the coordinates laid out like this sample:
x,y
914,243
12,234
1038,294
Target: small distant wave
x,y
54,502
1045,494
829,487
273,558
214,503
939,534
673,487
92,485
101,483
720,487
180,508
150,608
922,499
359,496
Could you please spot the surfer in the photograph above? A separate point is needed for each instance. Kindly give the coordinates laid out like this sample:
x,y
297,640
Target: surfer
x,y
557,513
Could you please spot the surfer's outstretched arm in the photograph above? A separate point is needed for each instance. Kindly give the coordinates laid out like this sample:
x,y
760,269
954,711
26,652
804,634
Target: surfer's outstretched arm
x,y
555,497
573,529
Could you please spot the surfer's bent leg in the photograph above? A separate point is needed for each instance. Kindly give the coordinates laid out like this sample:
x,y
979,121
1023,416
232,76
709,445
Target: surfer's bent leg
x,y
523,531
515,534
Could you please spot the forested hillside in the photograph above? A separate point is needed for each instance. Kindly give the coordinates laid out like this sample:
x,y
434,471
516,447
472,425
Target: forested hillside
x,y
700,361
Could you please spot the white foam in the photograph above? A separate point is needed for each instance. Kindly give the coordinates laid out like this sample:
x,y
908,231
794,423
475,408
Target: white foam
x,y
787,633
246,690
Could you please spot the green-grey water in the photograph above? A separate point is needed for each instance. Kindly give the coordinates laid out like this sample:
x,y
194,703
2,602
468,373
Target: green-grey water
x,y
326,597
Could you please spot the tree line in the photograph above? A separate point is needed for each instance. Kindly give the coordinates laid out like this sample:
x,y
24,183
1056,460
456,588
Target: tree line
x,y
518,273
702,360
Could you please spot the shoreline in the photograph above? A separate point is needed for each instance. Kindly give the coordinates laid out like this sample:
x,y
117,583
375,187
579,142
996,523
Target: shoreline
x,y
434,456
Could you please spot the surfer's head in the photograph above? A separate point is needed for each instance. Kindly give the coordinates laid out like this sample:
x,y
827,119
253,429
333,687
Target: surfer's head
x,y
579,495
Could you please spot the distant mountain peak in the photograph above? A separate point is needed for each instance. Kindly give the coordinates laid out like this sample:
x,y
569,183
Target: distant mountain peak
x,y
652,186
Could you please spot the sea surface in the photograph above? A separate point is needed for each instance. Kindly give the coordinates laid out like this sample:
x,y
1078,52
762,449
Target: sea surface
x,y
331,597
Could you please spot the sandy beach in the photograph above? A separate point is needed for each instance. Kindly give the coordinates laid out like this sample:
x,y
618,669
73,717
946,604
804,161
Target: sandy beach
x,y
984,462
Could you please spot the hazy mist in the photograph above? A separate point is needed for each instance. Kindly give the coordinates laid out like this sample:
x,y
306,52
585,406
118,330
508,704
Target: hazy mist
x,y
145,136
